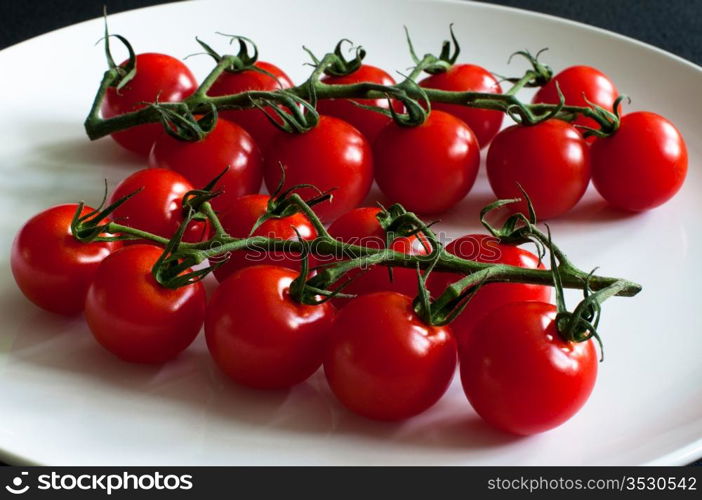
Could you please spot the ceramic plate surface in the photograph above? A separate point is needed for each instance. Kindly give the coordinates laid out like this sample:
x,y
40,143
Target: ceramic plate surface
x,y
66,401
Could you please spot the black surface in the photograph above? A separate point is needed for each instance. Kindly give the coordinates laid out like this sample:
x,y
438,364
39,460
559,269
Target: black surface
x,y
673,26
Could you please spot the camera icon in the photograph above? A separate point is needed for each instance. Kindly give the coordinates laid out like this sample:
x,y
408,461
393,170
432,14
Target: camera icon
x,y
16,488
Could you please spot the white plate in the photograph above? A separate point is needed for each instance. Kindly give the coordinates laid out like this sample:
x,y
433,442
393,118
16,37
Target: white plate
x,y
66,401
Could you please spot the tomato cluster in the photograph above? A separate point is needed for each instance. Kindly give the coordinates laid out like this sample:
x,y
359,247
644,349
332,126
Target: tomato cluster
x,y
381,356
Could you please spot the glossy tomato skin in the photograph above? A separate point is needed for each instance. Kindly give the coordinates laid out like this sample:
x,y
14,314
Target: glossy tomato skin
x,y
361,227
642,165
240,219
428,168
158,77
580,84
369,123
133,316
227,146
51,268
383,362
259,336
254,121
520,375
331,155
484,123
158,208
488,249
551,161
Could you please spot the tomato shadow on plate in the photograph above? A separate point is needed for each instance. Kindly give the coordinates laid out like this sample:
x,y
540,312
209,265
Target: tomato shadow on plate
x,y
192,387
595,209
81,152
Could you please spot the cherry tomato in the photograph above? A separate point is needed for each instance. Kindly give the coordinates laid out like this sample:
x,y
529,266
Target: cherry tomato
x,y
261,337
520,375
484,123
227,146
361,227
551,161
642,165
158,208
369,123
487,248
333,155
158,77
51,267
133,316
429,168
580,84
383,362
254,121
240,219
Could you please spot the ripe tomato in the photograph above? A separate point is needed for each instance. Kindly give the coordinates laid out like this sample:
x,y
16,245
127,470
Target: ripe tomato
x,y
158,77
429,168
383,362
259,336
520,375
133,316
577,84
487,248
331,155
158,208
642,165
241,218
228,145
51,267
551,161
369,123
361,227
254,121
484,123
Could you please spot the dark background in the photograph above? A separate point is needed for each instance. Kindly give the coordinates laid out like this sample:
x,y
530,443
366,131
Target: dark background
x,y
675,26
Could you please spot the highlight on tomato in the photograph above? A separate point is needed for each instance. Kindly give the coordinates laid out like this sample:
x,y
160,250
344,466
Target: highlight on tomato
x,y
260,335
520,375
158,77
136,318
50,266
383,362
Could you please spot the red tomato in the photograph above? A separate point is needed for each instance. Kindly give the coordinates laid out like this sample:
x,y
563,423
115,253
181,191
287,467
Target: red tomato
x,y
368,122
133,316
361,227
259,336
51,267
158,208
520,375
642,165
241,218
487,248
484,123
331,155
228,145
429,168
578,83
383,362
551,161
254,121
158,77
